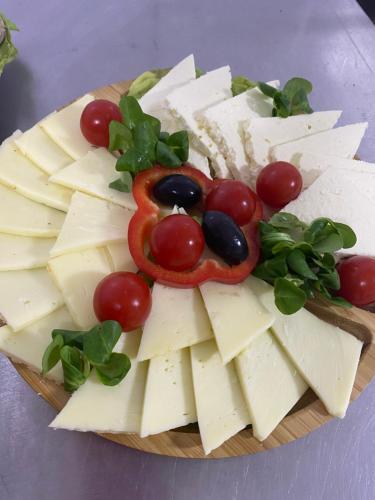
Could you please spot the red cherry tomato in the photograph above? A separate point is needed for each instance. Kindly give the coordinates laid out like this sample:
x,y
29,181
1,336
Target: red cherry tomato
x,y
233,198
95,120
123,297
177,242
279,183
357,278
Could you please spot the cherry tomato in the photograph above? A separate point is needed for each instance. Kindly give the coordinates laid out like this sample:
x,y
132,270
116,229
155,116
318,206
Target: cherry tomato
x,y
95,120
357,278
123,297
233,198
177,242
279,183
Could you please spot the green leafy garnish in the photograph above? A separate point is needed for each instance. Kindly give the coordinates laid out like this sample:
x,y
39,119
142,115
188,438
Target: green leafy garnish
x,y
241,84
80,351
144,82
291,100
7,50
298,259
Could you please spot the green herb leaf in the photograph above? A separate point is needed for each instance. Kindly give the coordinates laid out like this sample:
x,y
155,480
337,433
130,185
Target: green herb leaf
x,y
199,72
294,85
179,144
7,50
120,136
114,371
100,341
131,111
144,82
145,139
282,105
133,161
292,100
76,367
284,220
51,355
297,263
330,279
272,268
241,84
288,297
267,90
165,156
163,137
154,122
348,236
323,236
70,337
124,183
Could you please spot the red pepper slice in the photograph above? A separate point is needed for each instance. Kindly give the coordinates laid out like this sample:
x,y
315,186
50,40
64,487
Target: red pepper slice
x,y
147,216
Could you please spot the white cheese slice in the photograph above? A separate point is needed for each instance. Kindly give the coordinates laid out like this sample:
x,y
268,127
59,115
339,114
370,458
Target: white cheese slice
x,y
28,345
312,166
270,383
22,175
100,408
178,319
237,317
326,356
91,222
22,252
77,275
188,102
36,145
223,122
221,408
63,127
263,133
199,161
16,135
336,195
92,175
341,141
19,215
27,296
169,396
120,257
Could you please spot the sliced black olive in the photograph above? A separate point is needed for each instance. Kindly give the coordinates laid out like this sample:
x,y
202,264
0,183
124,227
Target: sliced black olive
x,y
224,237
177,189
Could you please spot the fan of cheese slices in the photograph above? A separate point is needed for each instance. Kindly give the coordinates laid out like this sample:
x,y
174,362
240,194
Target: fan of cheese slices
x,y
220,355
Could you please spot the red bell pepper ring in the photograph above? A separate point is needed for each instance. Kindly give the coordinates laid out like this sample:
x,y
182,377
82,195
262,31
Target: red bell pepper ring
x,y
147,216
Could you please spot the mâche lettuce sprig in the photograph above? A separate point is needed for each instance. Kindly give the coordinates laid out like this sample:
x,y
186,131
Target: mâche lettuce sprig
x,y
7,50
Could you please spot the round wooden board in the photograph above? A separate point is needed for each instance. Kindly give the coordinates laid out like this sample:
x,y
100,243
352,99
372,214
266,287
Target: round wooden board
x,y
308,415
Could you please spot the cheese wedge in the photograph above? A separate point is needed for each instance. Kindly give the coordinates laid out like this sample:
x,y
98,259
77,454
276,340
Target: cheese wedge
x,y
22,252
177,319
101,408
91,222
28,345
237,317
199,161
221,408
270,383
342,142
77,275
189,101
27,296
63,127
326,356
92,175
223,122
121,258
263,133
169,397
36,145
340,196
312,166
20,174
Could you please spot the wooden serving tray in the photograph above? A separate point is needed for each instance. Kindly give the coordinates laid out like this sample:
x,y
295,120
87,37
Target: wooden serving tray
x,y
306,416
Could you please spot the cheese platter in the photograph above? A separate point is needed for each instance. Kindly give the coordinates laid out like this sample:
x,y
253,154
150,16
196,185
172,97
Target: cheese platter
x,y
218,350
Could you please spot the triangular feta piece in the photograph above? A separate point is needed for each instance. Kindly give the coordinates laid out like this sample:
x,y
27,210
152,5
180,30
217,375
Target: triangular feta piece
x,y
326,356
221,408
237,316
177,319
23,252
169,396
99,408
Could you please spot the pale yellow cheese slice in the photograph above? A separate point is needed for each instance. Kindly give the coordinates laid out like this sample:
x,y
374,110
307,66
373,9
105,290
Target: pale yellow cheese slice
x,y
23,252
77,275
236,315
91,222
19,215
169,397
28,345
36,145
178,319
100,408
270,383
121,258
27,296
22,175
92,174
221,408
64,128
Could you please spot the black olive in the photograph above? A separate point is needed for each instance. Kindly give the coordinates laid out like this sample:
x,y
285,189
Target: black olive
x,y
224,237
177,189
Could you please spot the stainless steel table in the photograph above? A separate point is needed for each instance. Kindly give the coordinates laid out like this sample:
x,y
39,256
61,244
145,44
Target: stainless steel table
x,y
70,47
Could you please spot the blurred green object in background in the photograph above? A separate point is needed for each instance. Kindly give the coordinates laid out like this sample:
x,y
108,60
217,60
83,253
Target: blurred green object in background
x,y
7,50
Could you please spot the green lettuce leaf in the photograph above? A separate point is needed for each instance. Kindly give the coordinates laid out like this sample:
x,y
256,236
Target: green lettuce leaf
x,y
7,50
